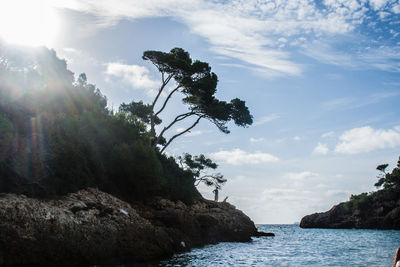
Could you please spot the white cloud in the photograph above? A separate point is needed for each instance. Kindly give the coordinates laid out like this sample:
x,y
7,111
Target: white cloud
x,y
287,195
328,134
250,31
358,102
378,4
240,157
76,58
337,193
362,54
133,75
396,8
70,54
297,138
366,139
300,176
279,192
383,14
321,149
256,140
266,119
282,40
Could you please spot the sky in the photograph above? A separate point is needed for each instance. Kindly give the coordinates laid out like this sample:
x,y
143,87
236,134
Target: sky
x,y
321,79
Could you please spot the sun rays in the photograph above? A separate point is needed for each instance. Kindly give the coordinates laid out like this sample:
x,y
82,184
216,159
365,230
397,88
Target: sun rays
x,y
30,23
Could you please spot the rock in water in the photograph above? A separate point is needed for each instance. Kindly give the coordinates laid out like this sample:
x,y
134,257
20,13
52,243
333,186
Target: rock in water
x,y
92,227
261,233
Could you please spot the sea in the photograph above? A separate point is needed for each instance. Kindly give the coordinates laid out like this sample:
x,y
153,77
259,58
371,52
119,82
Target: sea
x,y
294,246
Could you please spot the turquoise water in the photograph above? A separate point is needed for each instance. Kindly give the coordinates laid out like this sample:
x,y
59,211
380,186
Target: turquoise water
x,y
293,246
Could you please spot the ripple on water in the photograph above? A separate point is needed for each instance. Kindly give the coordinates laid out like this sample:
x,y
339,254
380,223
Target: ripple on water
x,y
293,246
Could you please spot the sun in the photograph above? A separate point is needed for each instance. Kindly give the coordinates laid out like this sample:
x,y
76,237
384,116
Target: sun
x,y
28,22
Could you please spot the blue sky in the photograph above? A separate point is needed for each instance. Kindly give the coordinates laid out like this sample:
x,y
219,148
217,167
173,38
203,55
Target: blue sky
x,y
321,79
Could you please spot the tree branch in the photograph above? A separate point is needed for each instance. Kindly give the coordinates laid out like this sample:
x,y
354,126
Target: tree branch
x,y
179,134
164,83
177,118
212,178
203,178
166,100
198,181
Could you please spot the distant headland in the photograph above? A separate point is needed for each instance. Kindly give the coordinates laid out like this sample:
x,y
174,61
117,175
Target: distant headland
x,y
375,210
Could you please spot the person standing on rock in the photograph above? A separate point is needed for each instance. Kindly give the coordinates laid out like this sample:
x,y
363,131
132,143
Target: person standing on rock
x,y
215,194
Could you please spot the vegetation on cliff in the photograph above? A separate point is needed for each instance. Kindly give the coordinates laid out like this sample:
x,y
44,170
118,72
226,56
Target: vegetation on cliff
x,y
374,210
389,182
58,136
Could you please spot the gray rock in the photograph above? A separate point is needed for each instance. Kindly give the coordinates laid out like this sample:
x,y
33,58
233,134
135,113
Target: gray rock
x,y
379,216
89,227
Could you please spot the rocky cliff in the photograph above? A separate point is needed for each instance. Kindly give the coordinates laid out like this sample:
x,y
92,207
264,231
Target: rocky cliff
x,y
384,215
92,227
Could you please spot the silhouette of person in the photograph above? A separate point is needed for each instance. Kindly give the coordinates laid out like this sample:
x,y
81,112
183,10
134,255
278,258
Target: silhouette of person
x,y
215,194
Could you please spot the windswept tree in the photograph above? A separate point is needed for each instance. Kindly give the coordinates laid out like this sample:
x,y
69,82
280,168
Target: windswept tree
x,y
386,179
382,175
199,167
198,85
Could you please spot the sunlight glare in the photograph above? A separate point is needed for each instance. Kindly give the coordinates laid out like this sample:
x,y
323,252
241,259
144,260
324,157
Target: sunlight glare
x,y
27,22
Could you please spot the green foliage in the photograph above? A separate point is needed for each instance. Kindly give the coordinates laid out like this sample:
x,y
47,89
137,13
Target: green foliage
x,y
179,183
359,202
57,136
136,168
198,166
388,180
198,85
140,110
6,136
71,166
382,167
390,191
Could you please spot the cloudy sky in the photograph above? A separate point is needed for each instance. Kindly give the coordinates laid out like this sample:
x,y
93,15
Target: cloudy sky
x,y
321,79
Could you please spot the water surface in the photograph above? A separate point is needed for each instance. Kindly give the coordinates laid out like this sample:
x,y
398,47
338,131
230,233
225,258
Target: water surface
x,y
293,246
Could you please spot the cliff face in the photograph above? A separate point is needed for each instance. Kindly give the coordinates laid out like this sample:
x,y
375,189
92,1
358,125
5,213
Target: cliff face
x,y
92,227
378,216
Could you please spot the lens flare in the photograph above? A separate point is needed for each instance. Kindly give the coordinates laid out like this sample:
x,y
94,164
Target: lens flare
x,y
27,22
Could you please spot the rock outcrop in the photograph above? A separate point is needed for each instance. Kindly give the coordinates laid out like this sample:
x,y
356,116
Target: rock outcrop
x,y
92,227
202,223
378,216
261,233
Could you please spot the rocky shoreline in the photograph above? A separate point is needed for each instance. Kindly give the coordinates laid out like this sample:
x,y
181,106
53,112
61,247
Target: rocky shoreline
x,y
92,227
384,215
